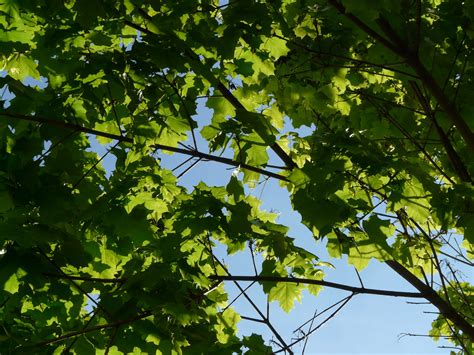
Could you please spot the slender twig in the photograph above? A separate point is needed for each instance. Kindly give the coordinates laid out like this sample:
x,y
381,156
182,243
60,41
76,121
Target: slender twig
x,y
183,163
381,99
253,319
63,124
332,315
62,140
252,303
89,321
75,284
186,111
435,257
355,60
111,339
209,246
358,276
418,26
364,27
458,284
465,262
457,337
4,302
185,171
436,300
94,166
253,258
407,134
402,335
238,296
114,110
309,331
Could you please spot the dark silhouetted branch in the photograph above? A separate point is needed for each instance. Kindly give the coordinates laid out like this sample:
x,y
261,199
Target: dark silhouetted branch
x,y
353,289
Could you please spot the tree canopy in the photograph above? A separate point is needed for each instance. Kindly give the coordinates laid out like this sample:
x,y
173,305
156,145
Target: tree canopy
x,y
124,261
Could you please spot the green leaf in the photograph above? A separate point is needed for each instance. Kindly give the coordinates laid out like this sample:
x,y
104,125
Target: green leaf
x,y
12,284
6,201
20,66
259,123
256,345
286,294
235,188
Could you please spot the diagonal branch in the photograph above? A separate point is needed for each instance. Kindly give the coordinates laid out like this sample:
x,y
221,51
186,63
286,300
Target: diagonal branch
x,y
428,293
387,66
453,156
75,284
430,83
364,27
94,166
400,47
201,68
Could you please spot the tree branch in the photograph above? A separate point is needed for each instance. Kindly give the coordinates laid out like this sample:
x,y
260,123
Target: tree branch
x,y
62,124
354,60
435,299
227,161
84,278
343,302
265,319
353,289
92,329
453,156
364,27
194,153
407,134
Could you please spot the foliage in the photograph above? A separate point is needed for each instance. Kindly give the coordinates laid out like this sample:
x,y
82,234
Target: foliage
x,y
385,87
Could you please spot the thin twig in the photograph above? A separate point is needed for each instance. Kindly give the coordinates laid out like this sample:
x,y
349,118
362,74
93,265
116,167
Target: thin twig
x,y
114,110
183,103
94,166
85,293
332,315
111,339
